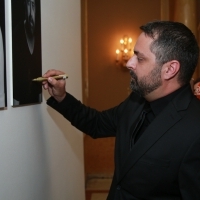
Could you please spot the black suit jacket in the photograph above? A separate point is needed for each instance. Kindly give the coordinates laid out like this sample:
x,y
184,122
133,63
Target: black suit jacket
x,y
165,161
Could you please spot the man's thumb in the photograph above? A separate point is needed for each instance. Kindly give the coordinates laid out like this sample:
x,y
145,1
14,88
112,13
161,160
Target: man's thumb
x,y
50,80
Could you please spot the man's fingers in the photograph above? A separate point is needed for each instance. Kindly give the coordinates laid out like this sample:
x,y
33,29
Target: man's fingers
x,y
45,86
52,81
52,72
56,88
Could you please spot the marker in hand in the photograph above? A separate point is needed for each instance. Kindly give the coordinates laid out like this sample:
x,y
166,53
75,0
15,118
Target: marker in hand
x,y
40,79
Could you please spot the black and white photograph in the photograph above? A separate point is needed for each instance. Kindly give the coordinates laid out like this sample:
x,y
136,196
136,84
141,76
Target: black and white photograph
x,y
26,52
2,56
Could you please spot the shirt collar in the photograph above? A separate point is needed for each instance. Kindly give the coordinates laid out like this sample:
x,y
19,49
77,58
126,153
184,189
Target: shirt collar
x,y
159,104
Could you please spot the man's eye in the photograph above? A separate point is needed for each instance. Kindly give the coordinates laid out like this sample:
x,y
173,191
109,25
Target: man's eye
x,y
139,59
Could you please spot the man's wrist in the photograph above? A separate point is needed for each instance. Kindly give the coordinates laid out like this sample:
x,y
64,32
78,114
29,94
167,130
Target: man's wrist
x,y
59,99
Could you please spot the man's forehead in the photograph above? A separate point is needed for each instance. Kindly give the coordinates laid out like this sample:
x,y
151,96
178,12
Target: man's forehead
x,y
143,44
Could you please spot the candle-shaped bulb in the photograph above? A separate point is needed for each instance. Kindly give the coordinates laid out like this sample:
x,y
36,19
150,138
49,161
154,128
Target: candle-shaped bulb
x,y
125,51
130,43
125,54
117,54
122,44
122,41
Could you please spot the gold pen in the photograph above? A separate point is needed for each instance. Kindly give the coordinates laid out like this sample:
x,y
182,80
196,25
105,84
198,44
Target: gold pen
x,y
40,79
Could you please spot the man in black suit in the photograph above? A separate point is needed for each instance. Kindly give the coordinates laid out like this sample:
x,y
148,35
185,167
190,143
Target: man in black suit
x,y
157,158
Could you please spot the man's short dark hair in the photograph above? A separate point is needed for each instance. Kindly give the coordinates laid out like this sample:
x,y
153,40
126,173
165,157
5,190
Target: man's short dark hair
x,y
174,41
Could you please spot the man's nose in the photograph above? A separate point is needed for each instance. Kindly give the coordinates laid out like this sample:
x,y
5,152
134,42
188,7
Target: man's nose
x,y
131,63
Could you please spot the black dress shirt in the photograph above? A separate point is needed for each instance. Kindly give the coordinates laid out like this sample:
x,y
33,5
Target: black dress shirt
x,y
154,109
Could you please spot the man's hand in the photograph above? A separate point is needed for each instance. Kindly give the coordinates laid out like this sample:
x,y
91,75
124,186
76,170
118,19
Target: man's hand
x,y
56,88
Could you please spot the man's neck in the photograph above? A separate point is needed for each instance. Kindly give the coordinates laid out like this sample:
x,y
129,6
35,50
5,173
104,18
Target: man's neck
x,y
162,91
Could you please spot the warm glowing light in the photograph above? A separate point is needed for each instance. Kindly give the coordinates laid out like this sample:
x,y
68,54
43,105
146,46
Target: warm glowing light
x,y
125,50
122,41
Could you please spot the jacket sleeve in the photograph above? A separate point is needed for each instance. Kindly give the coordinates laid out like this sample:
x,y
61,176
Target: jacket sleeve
x,y
189,174
90,121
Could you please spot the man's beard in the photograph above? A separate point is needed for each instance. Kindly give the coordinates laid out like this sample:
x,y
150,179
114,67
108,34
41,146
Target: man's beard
x,y
146,84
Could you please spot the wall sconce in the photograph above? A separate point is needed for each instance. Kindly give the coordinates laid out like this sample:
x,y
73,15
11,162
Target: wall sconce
x,y
125,52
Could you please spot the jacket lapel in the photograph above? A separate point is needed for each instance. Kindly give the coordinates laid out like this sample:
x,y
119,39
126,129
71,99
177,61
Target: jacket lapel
x,y
155,131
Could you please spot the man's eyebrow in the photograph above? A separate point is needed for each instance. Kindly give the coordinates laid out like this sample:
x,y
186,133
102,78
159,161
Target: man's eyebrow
x,y
138,53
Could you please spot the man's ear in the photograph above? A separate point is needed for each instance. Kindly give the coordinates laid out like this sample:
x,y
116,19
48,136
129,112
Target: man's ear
x,y
171,69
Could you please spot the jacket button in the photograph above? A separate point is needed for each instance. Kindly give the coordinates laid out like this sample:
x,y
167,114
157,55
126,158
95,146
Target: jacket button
x,y
119,187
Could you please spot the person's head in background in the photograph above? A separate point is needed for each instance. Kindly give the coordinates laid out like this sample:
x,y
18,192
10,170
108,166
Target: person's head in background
x,y
29,23
30,11
196,87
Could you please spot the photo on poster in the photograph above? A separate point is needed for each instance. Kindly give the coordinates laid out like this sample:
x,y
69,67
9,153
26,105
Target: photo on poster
x,y
3,92
26,52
